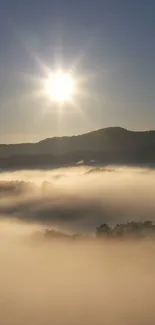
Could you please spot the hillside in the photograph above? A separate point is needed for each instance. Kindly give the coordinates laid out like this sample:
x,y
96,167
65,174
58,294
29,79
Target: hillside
x,y
109,145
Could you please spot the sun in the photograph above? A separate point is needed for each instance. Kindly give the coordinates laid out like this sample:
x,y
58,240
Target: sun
x,y
60,86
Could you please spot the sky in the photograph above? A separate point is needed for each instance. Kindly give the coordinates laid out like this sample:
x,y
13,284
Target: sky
x,y
109,45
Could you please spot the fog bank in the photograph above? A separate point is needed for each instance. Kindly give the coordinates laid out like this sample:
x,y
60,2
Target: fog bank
x,y
79,283
75,282
78,198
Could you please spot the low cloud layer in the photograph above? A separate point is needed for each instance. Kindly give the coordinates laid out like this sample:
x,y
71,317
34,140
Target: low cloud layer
x,y
79,198
75,282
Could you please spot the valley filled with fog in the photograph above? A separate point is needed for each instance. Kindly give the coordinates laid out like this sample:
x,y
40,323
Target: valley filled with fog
x,y
83,281
78,198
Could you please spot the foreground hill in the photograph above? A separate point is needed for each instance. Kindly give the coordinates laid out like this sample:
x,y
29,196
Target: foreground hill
x,y
109,145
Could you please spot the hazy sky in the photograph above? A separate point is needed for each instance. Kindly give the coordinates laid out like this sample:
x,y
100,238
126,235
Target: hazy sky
x,y
110,42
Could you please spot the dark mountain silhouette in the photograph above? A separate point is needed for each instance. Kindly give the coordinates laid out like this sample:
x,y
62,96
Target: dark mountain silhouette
x,y
113,145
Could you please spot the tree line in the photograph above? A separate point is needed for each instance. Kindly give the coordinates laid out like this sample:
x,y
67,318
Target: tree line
x,y
131,229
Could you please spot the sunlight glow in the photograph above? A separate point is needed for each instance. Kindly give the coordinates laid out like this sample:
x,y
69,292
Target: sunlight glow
x,y
60,86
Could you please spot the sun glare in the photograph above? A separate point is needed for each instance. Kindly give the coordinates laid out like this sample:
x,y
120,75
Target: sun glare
x,y
60,86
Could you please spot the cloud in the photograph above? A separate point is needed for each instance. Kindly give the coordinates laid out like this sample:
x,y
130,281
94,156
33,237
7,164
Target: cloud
x,y
75,282
78,198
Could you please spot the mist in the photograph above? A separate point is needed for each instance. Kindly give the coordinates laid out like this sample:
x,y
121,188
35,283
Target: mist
x,y
68,283
75,282
78,199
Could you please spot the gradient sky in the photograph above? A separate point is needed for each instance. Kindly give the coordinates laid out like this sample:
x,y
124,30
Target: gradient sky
x,y
111,42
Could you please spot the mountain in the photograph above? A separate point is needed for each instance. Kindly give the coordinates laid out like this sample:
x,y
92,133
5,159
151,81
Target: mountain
x,y
109,145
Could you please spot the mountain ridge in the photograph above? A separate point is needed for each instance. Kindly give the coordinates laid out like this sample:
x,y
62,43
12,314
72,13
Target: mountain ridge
x,y
111,128
108,145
